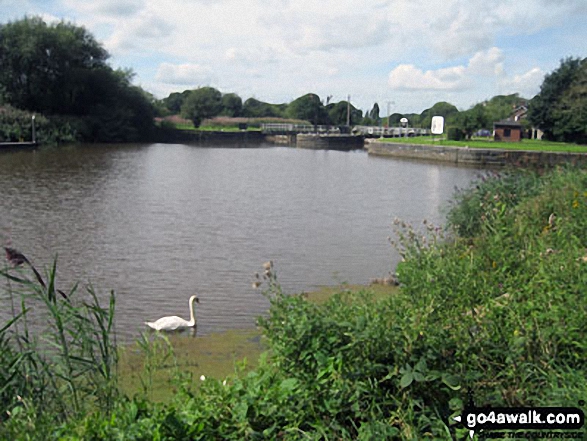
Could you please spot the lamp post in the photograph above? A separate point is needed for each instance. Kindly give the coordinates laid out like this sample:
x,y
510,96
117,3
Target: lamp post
x,y
34,131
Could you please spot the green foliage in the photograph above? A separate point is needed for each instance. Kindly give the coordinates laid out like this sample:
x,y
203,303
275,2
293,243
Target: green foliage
x,y
471,120
44,67
308,107
175,100
500,107
559,109
16,126
337,113
60,69
202,103
442,108
58,357
254,108
508,300
454,134
232,105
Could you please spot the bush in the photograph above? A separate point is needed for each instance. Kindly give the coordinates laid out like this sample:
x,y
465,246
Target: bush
x,y
454,134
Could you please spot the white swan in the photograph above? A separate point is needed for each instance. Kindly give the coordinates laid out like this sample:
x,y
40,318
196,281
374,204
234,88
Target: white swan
x,y
173,323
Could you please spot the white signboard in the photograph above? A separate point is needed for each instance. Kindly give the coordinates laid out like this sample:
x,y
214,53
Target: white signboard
x,y
437,126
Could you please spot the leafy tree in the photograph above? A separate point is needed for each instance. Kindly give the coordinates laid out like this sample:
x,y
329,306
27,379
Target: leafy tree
x,y
254,108
500,107
232,104
559,109
442,108
393,119
175,100
60,69
308,107
471,120
374,113
202,103
46,68
337,113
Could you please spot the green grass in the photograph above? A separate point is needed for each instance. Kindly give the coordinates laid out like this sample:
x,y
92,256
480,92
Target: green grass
x,y
526,144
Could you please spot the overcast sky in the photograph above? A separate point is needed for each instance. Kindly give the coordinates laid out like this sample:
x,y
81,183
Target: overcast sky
x,y
405,54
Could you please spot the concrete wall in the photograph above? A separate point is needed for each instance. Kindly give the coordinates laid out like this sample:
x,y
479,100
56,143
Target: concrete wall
x,y
330,142
463,155
204,137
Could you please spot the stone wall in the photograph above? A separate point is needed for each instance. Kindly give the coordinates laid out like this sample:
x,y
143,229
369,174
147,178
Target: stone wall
x,y
329,142
463,155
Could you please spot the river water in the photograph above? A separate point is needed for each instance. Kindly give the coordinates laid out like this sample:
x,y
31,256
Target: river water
x,y
157,223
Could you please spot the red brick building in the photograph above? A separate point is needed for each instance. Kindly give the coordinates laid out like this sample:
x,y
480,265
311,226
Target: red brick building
x,y
507,131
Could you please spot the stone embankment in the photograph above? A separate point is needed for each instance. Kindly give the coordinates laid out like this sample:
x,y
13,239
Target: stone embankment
x,y
474,156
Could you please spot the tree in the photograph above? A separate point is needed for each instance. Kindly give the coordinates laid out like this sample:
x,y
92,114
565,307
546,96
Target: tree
x,y
253,108
471,120
175,100
232,104
374,113
337,113
441,108
308,107
202,103
60,69
559,108
45,68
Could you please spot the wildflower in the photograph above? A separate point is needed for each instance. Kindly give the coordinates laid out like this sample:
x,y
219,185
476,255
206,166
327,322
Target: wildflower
x,y
575,203
224,383
202,377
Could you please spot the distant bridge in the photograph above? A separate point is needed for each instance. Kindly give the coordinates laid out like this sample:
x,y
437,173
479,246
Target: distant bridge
x,y
293,129
367,131
393,132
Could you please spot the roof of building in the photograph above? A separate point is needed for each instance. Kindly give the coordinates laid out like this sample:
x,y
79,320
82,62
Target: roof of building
x,y
507,123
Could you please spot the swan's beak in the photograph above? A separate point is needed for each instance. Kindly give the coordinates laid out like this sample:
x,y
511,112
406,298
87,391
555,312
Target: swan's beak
x,y
197,300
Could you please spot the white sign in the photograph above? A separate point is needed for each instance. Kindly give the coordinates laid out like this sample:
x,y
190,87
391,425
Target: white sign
x,y
437,125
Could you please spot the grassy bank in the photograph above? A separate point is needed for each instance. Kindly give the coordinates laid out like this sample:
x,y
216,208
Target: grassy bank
x,y
491,309
482,143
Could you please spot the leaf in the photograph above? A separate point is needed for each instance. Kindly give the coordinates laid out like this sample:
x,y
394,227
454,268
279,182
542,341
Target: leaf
x,y
288,385
452,381
406,379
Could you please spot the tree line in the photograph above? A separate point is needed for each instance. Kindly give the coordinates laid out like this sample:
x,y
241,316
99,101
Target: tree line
x,y
62,73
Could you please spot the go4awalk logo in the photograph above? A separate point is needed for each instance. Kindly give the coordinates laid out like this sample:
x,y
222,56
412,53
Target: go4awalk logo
x,y
521,418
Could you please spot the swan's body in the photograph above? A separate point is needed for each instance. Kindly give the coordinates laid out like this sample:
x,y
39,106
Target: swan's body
x,y
173,323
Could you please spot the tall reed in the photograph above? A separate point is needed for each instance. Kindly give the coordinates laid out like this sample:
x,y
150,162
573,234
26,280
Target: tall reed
x,y
58,354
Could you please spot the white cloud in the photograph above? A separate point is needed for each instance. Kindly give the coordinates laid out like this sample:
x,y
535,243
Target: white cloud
x,y
408,76
184,74
112,8
276,49
144,31
527,84
484,72
482,64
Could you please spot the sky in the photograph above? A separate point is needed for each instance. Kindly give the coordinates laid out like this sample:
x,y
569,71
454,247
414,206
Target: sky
x,y
406,55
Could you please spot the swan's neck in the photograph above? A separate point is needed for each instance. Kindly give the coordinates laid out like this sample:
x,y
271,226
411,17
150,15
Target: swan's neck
x,y
192,314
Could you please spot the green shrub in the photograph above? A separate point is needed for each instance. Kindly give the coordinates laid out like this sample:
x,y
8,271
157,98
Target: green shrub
x,y
454,134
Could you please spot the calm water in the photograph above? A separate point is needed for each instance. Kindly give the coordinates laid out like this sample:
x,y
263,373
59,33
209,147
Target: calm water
x,y
157,223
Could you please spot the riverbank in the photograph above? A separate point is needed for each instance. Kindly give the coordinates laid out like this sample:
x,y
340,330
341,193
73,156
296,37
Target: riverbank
x,y
215,356
491,157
